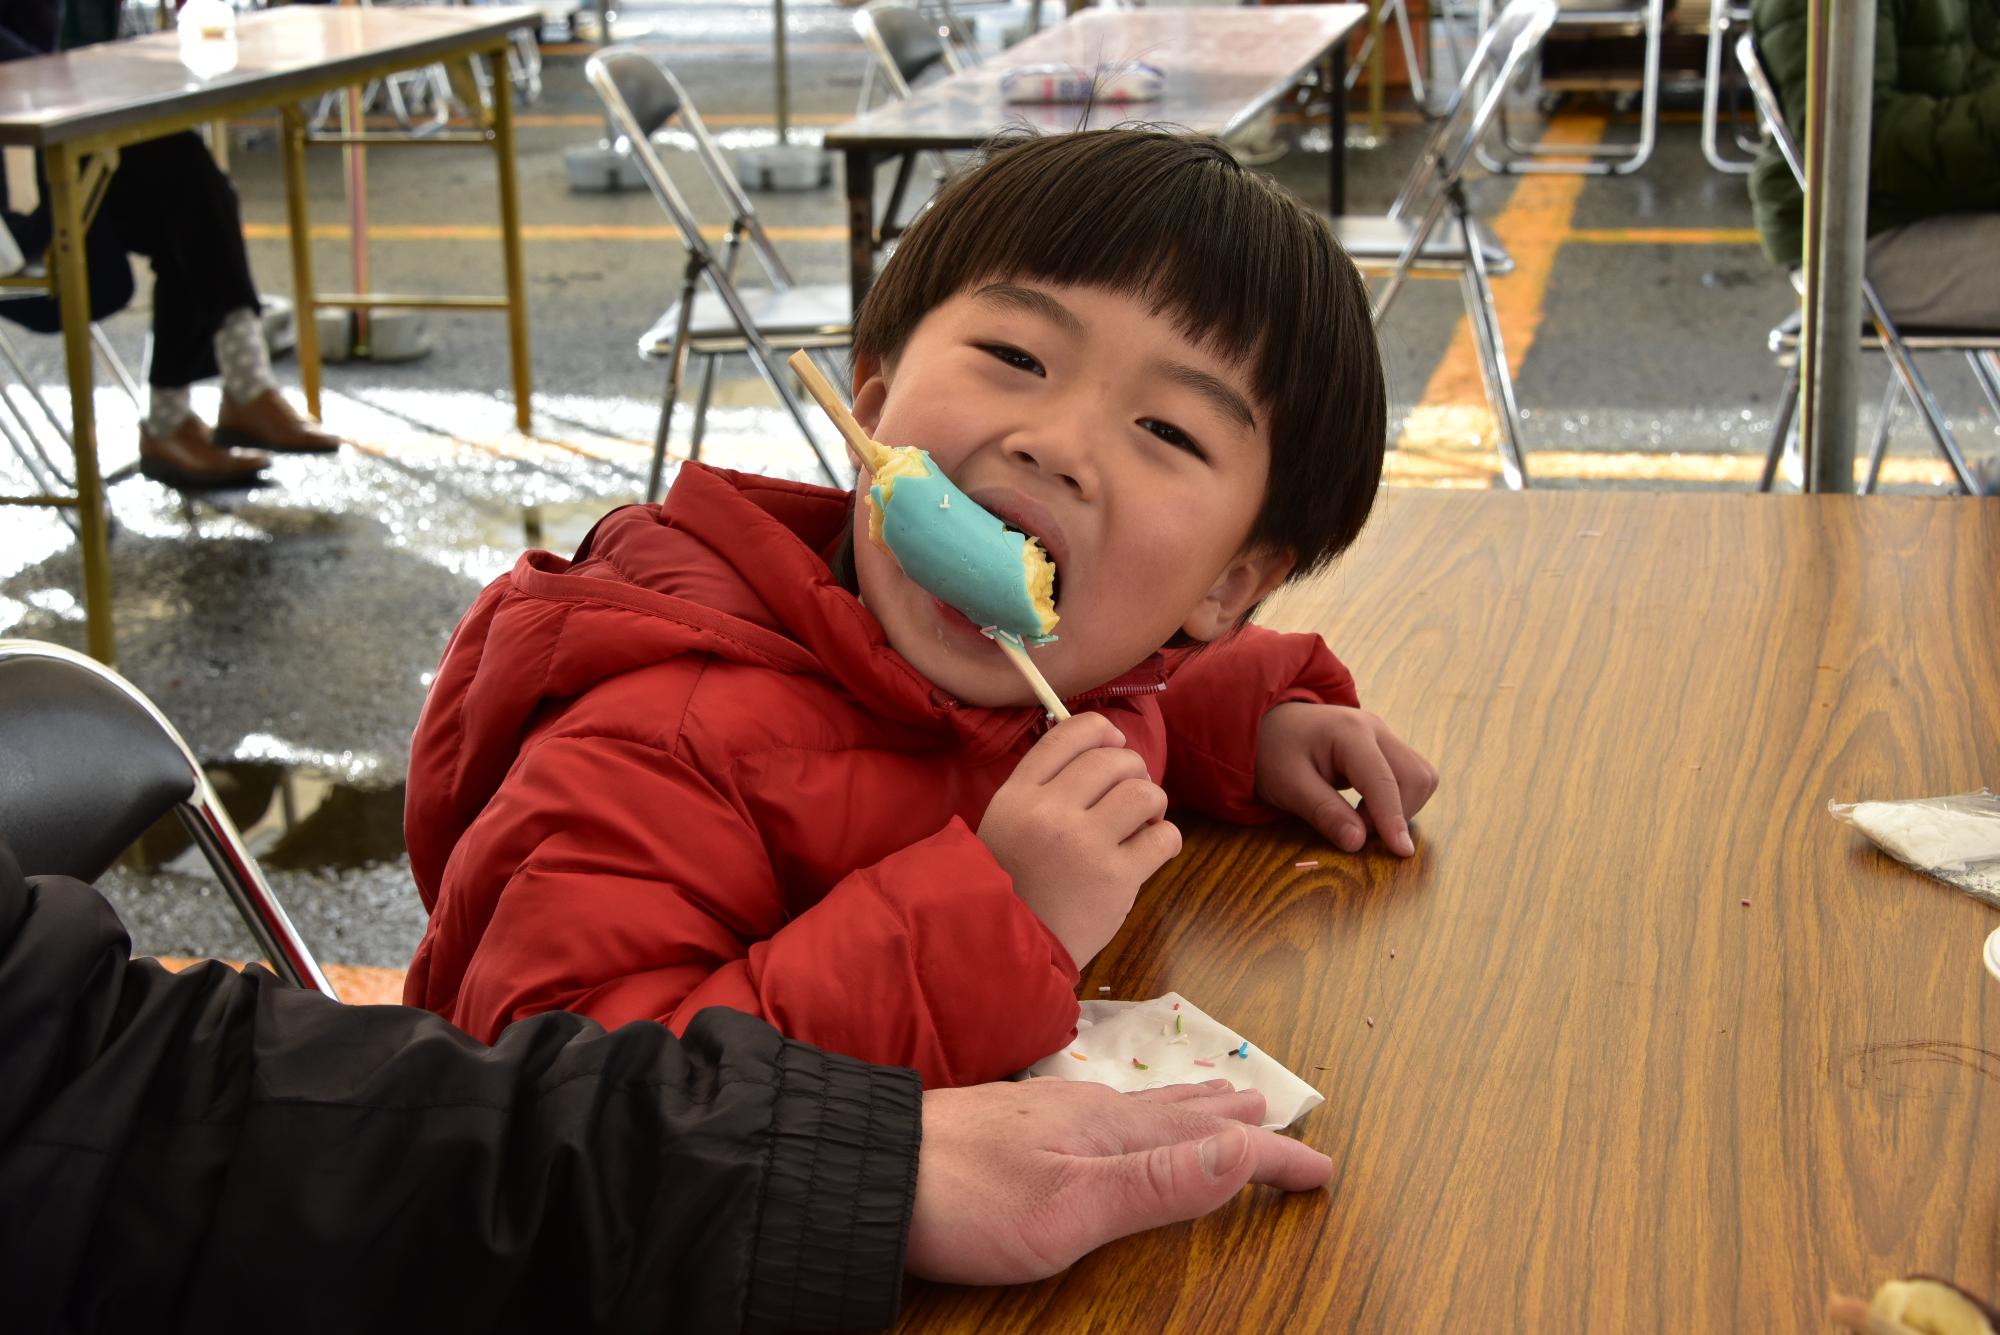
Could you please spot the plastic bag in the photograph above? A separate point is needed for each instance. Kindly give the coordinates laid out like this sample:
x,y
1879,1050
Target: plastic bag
x,y
1135,82
1956,839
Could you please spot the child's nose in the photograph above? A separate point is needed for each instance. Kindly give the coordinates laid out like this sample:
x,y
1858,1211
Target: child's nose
x,y
1061,450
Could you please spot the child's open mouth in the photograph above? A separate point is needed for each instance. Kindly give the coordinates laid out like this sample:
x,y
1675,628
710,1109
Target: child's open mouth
x,y
1030,519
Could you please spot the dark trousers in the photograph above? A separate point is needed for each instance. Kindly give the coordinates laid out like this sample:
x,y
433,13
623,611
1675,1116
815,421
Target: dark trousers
x,y
169,202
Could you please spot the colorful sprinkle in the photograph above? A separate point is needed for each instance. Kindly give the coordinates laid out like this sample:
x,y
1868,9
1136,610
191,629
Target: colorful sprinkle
x,y
1140,1065
1313,863
1242,1051
1177,1024
1079,1056
1104,989
1199,1062
1177,1005
1371,1022
1392,954
1746,903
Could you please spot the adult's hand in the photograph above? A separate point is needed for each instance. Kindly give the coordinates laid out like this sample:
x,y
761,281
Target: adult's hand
x,y
1018,1180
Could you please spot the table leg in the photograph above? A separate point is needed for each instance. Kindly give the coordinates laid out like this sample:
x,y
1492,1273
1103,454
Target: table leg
x,y
1336,124
299,222
860,173
510,233
73,295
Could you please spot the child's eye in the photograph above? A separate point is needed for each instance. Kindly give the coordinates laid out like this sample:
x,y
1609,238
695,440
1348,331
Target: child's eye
x,y
1174,436
1014,357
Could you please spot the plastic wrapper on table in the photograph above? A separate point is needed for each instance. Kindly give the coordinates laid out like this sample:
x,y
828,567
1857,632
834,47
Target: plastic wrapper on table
x,y
1956,839
1136,82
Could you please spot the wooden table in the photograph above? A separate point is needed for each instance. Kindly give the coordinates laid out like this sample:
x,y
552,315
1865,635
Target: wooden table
x,y
1223,67
81,106
1601,1093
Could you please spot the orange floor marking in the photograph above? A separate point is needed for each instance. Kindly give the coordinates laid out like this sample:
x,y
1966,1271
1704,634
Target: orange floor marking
x,y
1532,227
1663,236
357,984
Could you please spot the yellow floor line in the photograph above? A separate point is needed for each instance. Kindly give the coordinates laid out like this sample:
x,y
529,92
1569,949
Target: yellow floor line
x,y
529,232
1663,236
357,984
1532,227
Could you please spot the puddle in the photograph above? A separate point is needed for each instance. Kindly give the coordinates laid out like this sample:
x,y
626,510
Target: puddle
x,y
293,819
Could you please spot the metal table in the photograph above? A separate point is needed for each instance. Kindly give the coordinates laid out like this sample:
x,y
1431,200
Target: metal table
x,y
80,107
1601,1091
1222,66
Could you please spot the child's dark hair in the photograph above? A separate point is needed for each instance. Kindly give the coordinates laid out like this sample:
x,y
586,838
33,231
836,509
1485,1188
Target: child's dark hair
x,y
1239,265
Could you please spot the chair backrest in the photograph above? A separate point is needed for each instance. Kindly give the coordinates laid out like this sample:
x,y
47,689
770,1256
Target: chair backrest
x,y
88,764
1769,109
1508,43
642,97
905,43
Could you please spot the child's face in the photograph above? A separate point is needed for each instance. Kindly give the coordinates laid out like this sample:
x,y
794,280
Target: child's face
x,y
1081,417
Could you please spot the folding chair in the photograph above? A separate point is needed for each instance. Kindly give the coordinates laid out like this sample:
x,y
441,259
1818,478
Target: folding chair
x,y
905,46
19,280
1401,12
88,764
1881,332
640,96
1722,16
1436,184
1646,18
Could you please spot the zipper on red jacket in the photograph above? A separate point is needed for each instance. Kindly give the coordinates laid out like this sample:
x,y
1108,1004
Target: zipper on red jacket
x,y
1043,720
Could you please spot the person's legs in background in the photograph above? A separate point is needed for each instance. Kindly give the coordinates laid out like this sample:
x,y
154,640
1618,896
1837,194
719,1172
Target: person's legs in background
x,y
1939,273
171,203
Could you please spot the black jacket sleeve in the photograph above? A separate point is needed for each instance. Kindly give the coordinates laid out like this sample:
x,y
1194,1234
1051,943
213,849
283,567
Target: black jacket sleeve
x,y
180,1151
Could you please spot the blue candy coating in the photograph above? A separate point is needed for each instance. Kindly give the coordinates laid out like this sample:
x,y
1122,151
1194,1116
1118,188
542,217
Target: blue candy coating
x,y
959,551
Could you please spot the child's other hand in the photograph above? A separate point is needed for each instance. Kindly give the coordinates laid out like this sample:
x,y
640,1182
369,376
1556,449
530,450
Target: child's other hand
x,y
1079,826
1307,753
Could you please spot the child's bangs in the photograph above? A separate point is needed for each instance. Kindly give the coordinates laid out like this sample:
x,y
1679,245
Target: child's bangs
x,y
1209,246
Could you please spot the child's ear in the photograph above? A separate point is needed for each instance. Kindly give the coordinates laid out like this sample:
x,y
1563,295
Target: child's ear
x,y
871,391
1244,583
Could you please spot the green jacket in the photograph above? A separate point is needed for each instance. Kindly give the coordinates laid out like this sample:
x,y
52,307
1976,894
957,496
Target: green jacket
x,y
1936,120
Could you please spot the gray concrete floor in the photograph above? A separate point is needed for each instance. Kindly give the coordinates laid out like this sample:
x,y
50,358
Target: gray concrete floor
x,y
290,631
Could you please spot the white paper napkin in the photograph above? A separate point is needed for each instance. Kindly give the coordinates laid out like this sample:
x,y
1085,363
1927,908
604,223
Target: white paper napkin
x,y
1132,1045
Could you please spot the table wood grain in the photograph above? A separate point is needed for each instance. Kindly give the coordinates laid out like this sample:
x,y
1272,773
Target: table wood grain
x,y
1601,1093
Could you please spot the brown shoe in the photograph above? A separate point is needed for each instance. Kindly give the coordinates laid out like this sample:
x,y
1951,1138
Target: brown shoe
x,y
187,458
268,422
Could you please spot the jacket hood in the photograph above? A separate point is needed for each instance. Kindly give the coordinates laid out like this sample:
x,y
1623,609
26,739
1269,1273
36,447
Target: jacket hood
x,y
730,565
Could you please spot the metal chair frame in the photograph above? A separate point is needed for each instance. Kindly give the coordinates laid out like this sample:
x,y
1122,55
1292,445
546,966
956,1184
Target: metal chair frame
x,y
703,267
1722,16
1436,184
896,76
1905,378
1600,159
1359,64
208,824
24,437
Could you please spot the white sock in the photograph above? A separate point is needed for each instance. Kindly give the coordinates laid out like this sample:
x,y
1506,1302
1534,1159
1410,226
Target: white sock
x,y
245,358
166,409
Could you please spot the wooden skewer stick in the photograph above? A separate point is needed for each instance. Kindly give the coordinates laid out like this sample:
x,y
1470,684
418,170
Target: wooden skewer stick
x,y
871,452
1011,645
830,402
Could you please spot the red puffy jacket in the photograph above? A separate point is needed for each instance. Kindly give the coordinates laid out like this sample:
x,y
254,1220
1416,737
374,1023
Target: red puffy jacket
x,y
686,769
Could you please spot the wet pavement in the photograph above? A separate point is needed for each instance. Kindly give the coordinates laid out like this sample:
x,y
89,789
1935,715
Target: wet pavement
x,y
290,632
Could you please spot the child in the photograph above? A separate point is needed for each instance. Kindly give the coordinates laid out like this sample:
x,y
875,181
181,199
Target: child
x,y
729,755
